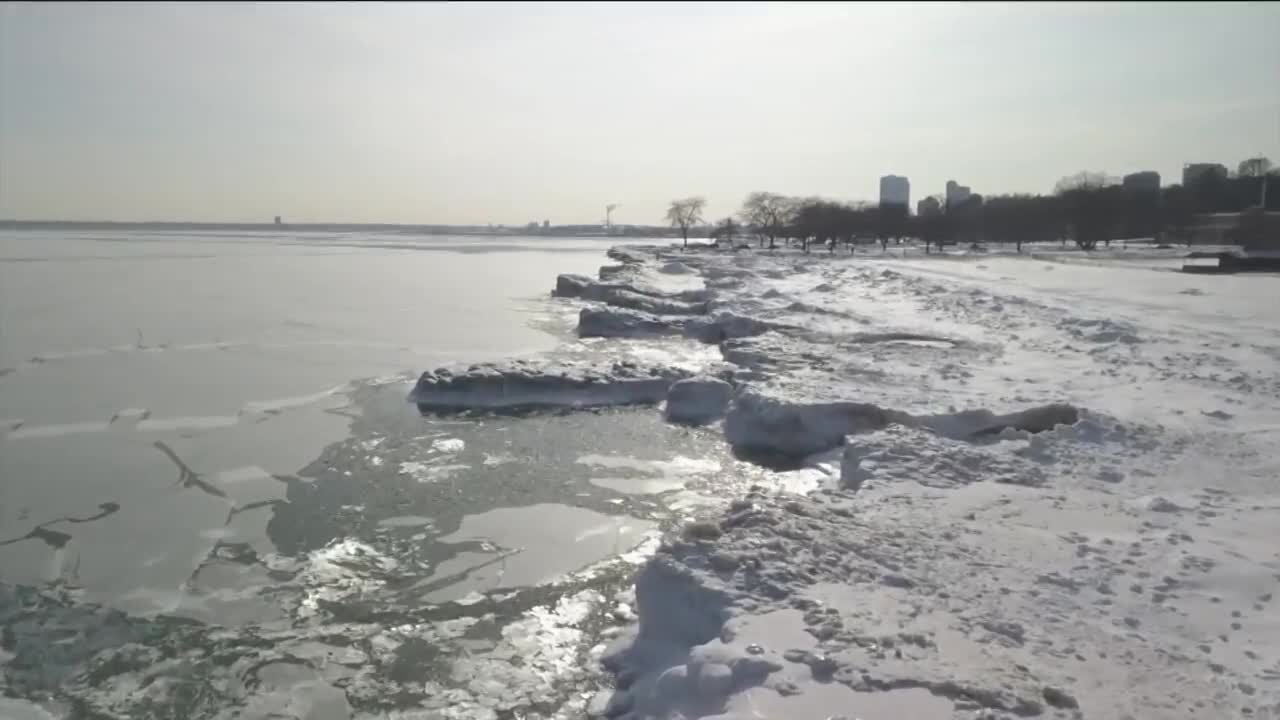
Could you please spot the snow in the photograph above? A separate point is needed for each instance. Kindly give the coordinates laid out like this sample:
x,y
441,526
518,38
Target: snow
x,y
1054,495
1026,485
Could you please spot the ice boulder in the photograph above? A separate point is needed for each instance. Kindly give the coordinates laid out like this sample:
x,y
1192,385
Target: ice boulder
x,y
698,400
676,267
768,425
651,304
725,326
523,385
611,272
571,285
628,255
616,322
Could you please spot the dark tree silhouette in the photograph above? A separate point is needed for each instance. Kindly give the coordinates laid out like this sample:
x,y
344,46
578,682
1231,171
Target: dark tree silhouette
x,y
1254,167
891,222
685,214
768,215
1177,210
726,229
1090,206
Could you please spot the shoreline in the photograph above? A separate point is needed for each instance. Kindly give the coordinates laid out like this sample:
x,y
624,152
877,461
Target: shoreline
x,y
745,485
892,589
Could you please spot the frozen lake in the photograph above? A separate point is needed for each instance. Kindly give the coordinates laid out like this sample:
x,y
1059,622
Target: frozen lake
x,y
217,501
214,427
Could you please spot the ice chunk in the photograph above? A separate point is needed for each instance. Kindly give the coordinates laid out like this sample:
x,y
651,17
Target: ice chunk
x,y
770,425
698,400
611,322
531,385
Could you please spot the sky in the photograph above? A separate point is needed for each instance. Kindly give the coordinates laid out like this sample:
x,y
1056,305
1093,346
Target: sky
x,y
471,113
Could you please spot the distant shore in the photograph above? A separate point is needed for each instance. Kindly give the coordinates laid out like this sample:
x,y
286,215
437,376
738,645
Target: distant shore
x,y
622,231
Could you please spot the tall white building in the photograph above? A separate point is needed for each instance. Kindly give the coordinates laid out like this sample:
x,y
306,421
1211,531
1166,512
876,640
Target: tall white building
x,y
895,190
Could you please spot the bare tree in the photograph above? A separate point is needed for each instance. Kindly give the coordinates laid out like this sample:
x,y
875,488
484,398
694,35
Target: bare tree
x,y
1178,212
768,213
891,222
1254,167
1091,206
685,214
726,229
1080,181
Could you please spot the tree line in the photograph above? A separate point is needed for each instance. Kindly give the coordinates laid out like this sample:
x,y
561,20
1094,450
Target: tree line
x,y
1085,208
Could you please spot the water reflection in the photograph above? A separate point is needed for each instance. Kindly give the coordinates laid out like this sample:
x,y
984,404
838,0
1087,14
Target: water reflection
x,y
423,588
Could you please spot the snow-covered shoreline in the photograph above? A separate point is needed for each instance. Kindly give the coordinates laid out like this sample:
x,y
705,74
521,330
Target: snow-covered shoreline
x,y
1038,505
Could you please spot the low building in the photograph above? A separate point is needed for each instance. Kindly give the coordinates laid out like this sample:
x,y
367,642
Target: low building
x,y
895,190
1191,172
1145,181
1253,230
928,207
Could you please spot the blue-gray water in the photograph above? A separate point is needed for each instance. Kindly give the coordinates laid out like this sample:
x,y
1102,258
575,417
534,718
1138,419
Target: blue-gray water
x,y
216,502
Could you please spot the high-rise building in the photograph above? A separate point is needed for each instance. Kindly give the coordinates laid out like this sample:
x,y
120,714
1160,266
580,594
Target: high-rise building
x,y
1145,181
928,206
956,193
895,190
1192,172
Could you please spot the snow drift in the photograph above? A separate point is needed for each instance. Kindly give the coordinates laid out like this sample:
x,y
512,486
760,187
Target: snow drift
x,y
735,604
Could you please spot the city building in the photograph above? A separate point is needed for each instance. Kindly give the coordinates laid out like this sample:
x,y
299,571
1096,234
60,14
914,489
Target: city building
x,y
895,190
1253,230
1145,181
928,206
956,193
1192,172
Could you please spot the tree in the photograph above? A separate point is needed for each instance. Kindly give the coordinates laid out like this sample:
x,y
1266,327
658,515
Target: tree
x,y
685,214
726,229
964,219
823,221
1091,207
768,214
891,221
1254,167
1177,211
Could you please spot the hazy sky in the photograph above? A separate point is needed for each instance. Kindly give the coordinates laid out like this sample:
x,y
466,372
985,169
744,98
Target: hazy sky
x,y
505,113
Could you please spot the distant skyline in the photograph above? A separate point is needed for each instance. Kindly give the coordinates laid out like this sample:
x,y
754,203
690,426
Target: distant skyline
x,y
472,114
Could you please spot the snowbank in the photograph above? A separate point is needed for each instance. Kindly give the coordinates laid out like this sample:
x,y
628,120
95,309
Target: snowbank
x,y
762,599
1020,517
